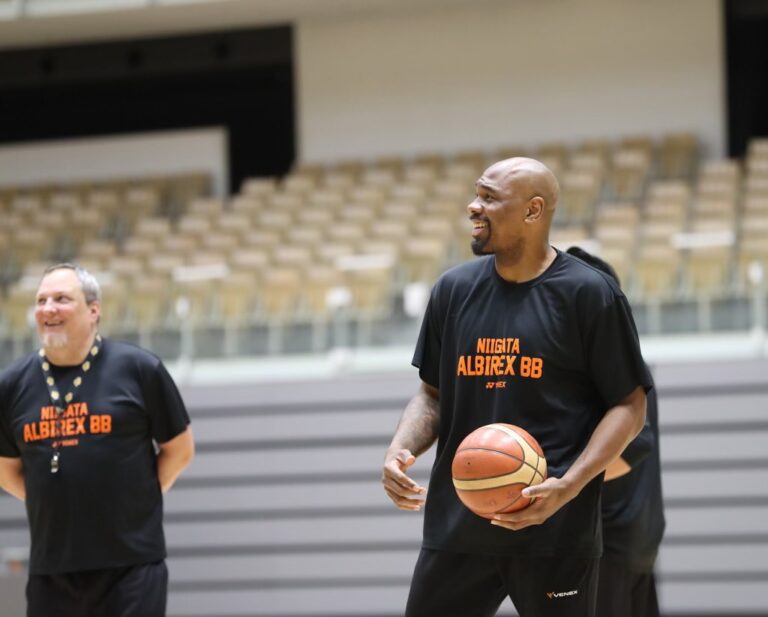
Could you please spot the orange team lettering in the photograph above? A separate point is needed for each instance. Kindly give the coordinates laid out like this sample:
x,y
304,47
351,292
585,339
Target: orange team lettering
x,y
101,424
486,365
495,384
67,427
531,367
73,410
498,345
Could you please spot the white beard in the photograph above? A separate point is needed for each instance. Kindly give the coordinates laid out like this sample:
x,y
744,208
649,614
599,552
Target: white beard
x,y
55,340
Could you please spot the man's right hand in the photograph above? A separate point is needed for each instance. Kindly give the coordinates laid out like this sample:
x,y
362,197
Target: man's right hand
x,y
403,491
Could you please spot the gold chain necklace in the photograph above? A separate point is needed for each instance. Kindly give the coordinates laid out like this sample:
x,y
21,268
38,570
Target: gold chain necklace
x,y
60,403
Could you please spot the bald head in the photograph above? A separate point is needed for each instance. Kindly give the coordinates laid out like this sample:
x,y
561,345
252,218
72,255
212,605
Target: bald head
x,y
529,176
513,211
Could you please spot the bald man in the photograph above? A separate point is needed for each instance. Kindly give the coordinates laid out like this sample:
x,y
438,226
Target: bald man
x,y
561,358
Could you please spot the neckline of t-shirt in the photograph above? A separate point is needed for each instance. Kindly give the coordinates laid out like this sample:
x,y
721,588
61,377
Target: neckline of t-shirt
x,y
512,285
63,369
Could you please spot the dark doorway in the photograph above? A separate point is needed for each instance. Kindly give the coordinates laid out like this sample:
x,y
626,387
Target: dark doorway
x,y
746,36
241,80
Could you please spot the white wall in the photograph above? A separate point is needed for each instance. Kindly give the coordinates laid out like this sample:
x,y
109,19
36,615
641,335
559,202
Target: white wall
x,y
119,156
500,73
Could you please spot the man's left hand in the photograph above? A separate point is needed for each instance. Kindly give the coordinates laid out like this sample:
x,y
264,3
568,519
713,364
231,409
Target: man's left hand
x,y
549,497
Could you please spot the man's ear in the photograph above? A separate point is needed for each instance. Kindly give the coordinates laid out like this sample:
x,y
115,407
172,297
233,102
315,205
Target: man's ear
x,y
95,310
535,209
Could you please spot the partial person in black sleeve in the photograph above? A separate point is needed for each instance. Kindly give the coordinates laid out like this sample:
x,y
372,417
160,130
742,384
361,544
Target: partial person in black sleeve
x,y
633,512
92,432
529,335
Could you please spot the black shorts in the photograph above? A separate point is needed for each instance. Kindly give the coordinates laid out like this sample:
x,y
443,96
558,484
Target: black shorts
x,y
464,585
134,591
624,591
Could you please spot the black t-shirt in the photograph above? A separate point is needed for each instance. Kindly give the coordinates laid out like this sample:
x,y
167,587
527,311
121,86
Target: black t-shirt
x,y
633,510
551,355
104,507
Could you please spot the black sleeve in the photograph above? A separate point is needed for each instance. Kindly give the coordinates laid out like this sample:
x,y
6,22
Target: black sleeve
x,y
426,357
8,447
640,447
164,404
648,439
614,357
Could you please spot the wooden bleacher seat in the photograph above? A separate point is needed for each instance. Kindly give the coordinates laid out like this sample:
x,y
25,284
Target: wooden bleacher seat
x,y
399,210
139,248
315,218
261,239
580,190
197,297
371,195
423,259
235,223
305,236
319,282
656,271
329,253
280,293
678,155
195,225
162,264
253,261
360,214
148,303
351,233
153,228
258,187
236,297
181,245
299,184
206,207
630,172
340,180
287,255
245,205
97,248
277,221
19,307
707,271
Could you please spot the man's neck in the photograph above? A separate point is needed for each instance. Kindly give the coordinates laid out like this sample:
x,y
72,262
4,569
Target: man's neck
x,y
69,355
528,267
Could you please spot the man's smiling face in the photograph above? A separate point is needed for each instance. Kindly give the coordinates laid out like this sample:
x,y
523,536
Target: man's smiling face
x,y
62,315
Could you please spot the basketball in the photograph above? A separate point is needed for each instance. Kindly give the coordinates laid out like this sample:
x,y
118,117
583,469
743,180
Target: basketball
x,y
493,465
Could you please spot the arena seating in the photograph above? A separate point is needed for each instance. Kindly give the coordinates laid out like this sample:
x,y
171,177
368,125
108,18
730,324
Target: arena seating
x,y
343,241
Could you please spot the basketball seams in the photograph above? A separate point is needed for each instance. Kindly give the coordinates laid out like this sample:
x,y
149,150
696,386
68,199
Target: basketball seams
x,y
476,484
528,450
499,488
483,449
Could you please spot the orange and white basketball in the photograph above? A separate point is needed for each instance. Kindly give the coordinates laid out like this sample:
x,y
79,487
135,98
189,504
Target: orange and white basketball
x,y
493,465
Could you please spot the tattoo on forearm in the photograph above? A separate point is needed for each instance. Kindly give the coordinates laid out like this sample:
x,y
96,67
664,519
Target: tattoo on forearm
x,y
419,424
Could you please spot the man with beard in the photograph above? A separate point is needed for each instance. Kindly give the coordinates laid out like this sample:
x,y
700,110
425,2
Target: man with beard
x,y
92,431
572,376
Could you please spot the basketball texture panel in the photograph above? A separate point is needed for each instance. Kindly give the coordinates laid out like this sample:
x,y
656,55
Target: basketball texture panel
x,y
481,463
493,464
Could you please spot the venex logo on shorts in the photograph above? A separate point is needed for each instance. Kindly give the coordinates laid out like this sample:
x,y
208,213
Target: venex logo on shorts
x,y
553,595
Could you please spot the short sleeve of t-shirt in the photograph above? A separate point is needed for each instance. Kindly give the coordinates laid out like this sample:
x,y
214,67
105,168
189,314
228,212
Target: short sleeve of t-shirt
x,y
426,356
641,446
8,446
614,354
164,404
